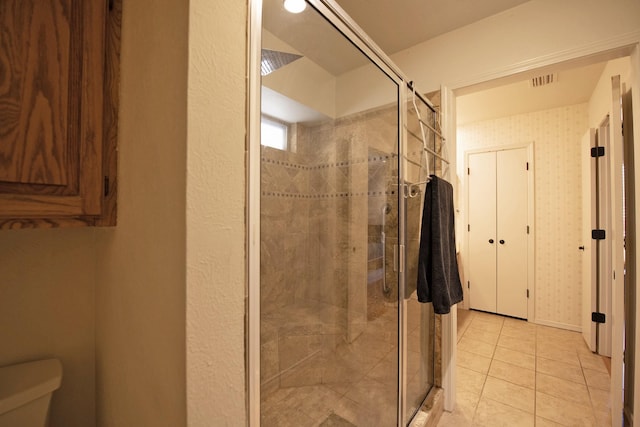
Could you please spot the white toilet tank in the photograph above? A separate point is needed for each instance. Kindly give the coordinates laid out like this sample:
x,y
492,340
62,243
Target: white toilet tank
x,y
25,392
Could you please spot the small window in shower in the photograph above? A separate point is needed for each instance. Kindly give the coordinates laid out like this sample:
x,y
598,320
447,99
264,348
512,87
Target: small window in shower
x,y
273,133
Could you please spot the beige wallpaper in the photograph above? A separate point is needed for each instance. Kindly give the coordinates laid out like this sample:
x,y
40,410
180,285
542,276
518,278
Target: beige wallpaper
x,y
556,134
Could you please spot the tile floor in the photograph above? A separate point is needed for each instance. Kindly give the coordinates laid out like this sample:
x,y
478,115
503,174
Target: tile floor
x,y
513,373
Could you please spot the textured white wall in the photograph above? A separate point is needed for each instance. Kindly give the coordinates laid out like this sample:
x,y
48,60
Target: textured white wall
x,y
47,310
216,188
140,292
558,200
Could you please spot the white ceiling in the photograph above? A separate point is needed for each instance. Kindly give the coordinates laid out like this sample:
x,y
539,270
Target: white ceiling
x,y
573,86
287,110
398,25
312,36
393,25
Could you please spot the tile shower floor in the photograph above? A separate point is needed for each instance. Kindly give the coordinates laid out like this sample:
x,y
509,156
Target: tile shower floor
x,y
513,373
342,385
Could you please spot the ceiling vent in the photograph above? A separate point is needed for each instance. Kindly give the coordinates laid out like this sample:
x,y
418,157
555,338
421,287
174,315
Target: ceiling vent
x,y
543,80
273,59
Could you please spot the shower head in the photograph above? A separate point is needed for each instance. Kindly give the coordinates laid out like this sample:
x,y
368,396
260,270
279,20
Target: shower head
x,y
274,59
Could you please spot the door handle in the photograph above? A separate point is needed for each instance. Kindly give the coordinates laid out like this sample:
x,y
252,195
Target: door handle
x,y
502,242
581,248
491,241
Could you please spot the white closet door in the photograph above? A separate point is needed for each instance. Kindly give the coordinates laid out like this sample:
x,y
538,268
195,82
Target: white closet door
x,y
482,232
512,200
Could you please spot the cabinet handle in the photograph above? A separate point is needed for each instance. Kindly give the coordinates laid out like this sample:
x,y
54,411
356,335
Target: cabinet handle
x,y
491,241
502,242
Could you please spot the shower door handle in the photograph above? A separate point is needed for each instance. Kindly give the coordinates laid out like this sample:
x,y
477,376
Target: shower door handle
x,y
398,258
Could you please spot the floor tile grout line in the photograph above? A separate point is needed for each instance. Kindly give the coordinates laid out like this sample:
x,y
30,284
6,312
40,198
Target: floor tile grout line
x,y
511,406
582,367
511,382
479,399
475,409
485,378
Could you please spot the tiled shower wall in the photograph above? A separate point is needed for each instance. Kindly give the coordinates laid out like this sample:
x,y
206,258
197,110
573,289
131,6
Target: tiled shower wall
x,y
314,238
556,134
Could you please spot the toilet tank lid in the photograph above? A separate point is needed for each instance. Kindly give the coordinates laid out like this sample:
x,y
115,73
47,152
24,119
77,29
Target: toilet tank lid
x,y
24,382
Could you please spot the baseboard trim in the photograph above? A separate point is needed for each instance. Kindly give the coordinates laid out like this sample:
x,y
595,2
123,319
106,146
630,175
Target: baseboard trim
x,y
559,325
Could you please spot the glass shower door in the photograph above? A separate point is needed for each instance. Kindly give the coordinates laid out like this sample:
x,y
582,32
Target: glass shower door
x,y
329,223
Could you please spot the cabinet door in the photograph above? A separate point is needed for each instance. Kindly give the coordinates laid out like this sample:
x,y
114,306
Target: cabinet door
x,y
482,231
512,206
51,108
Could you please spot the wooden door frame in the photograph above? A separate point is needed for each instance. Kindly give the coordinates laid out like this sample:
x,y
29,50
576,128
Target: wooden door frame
x,y
529,146
635,94
589,287
604,332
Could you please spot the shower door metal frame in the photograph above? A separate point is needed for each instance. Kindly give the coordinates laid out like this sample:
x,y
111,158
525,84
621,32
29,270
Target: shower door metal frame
x,y
331,11
252,147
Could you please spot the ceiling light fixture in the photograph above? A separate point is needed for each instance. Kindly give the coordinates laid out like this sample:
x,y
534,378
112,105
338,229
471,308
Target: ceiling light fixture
x,y
295,6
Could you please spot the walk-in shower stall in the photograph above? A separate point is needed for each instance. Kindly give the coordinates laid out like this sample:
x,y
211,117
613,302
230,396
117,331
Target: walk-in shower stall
x,y
336,333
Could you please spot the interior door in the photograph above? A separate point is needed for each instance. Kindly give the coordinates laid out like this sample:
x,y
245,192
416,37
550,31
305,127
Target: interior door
x,y
617,253
482,231
589,255
512,206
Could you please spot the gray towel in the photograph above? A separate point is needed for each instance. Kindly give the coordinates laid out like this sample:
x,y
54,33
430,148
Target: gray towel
x,y
438,278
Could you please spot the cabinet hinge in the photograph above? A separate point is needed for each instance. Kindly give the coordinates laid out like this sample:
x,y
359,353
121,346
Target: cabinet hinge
x,y
527,229
468,285
468,227
468,171
527,165
598,234
527,293
598,317
597,151
106,186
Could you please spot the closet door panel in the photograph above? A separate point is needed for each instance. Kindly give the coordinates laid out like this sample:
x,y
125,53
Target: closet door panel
x,y
482,231
512,199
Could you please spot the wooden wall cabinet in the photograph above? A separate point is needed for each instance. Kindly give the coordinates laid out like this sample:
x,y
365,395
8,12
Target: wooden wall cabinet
x,y
59,69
